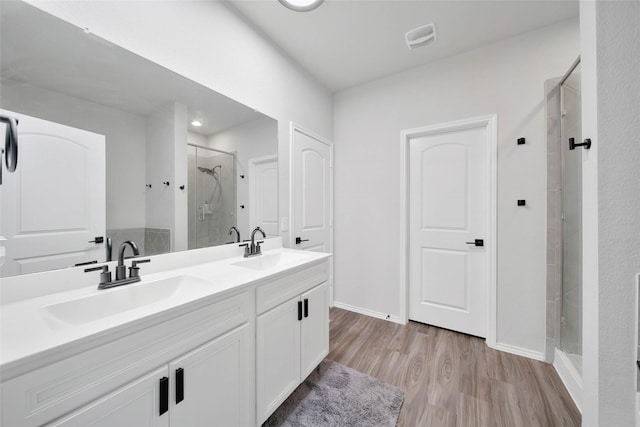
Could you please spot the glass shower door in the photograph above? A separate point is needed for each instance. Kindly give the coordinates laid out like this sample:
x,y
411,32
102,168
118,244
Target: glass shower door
x,y
571,320
212,196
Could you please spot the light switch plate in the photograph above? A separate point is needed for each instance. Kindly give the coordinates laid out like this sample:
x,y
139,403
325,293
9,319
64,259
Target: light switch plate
x,y
284,223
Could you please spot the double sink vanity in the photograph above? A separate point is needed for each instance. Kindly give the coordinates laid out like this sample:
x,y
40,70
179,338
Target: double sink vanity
x,y
207,337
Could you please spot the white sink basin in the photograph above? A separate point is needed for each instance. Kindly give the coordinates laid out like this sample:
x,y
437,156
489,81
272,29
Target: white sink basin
x,y
110,302
264,262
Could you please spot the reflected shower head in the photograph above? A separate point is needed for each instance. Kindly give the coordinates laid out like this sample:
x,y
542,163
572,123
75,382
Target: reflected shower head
x,y
209,171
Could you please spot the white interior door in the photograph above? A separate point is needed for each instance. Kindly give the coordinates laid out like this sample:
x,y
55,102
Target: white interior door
x,y
312,195
448,206
263,194
311,187
53,206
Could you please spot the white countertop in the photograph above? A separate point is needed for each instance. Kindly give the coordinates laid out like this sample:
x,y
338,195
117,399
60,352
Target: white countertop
x,y
31,336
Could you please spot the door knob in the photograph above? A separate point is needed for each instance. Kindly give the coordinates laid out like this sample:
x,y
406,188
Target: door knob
x,y
476,242
300,240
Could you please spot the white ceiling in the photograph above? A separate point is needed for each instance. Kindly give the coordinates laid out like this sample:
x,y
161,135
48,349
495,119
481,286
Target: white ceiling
x,y
44,51
347,42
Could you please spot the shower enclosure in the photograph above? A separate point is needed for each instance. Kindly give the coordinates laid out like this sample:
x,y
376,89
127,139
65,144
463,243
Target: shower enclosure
x,y
212,196
571,218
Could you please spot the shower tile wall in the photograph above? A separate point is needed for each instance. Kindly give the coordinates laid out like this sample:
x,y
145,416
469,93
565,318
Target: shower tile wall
x,y
156,241
554,218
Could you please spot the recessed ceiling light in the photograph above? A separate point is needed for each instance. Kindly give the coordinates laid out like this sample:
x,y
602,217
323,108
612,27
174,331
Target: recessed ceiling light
x,y
196,123
301,5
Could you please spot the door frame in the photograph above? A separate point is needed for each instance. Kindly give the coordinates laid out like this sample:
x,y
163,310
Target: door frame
x,y
293,128
488,122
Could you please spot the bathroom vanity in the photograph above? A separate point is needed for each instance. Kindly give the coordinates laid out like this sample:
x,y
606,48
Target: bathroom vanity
x,y
206,338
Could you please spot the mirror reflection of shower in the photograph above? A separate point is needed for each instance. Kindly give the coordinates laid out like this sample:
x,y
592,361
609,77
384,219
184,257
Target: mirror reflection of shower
x,y
212,196
216,193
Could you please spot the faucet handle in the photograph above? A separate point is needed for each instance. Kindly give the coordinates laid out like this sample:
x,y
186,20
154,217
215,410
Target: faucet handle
x,y
105,276
258,249
135,262
247,251
134,270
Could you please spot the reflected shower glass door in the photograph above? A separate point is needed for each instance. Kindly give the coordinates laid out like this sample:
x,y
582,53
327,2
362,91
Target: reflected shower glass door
x,y
571,320
212,196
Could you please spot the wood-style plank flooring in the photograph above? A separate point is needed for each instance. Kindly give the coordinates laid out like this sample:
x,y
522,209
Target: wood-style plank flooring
x,y
451,379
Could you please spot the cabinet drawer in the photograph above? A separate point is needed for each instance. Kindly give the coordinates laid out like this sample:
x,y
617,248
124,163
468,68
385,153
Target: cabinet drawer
x,y
276,292
54,390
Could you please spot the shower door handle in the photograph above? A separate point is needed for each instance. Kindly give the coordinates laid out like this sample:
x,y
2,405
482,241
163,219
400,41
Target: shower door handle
x,y
476,242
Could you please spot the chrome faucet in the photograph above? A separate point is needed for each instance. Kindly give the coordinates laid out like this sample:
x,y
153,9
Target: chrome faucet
x,y
231,230
253,248
121,269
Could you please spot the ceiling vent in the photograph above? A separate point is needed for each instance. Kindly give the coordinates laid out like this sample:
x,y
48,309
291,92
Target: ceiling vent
x,y
420,36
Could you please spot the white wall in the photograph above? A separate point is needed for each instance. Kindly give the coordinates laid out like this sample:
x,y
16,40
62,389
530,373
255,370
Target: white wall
x,y
166,161
125,135
208,43
610,37
180,179
256,138
506,78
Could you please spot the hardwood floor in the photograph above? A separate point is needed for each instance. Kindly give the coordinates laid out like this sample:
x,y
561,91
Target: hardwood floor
x,y
451,379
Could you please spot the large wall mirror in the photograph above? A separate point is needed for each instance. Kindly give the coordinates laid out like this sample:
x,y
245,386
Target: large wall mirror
x,y
111,150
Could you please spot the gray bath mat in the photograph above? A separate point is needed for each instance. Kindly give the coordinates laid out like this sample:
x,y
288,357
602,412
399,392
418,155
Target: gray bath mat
x,y
337,396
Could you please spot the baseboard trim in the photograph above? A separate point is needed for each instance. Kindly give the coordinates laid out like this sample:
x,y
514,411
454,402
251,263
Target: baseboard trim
x,y
569,376
519,351
367,312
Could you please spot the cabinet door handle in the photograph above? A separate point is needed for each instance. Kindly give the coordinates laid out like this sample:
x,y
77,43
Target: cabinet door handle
x,y
179,385
164,395
299,310
306,307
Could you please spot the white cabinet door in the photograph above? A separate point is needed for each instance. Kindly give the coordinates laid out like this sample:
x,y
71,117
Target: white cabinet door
x,y
278,356
136,404
215,384
315,328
